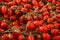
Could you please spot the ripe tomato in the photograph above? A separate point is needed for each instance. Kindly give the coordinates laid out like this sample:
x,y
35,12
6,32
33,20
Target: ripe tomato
x,y
13,18
50,26
46,36
21,37
34,2
3,25
18,1
43,29
55,31
31,37
11,3
25,1
4,9
30,26
28,6
4,37
37,23
56,37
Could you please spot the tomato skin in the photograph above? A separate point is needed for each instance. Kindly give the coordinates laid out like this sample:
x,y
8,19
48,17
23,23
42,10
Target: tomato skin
x,y
24,10
54,7
57,25
43,29
49,0
28,6
56,37
30,26
34,2
46,17
40,4
46,13
51,20
31,37
50,26
4,37
54,1
15,35
37,23
10,12
1,30
4,9
12,3
6,16
55,31
24,1
3,25
13,18
20,37
7,0
16,23
59,21
41,17
46,36
58,0
18,1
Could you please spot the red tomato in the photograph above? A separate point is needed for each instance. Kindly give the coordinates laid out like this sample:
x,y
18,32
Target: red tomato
x,y
37,23
56,37
31,37
13,18
5,37
4,9
46,36
18,1
31,26
11,3
43,29
50,26
28,6
25,1
55,31
21,37
34,2
3,25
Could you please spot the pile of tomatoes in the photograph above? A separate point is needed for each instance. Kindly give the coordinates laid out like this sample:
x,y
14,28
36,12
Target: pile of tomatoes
x,y
29,19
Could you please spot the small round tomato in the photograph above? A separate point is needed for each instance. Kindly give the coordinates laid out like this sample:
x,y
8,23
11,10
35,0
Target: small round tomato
x,y
4,9
46,36
13,18
31,37
55,31
37,23
6,16
30,26
11,3
46,17
56,37
34,2
28,6
3,25
21,37
5,37
50,26
25,1
43,29
18,1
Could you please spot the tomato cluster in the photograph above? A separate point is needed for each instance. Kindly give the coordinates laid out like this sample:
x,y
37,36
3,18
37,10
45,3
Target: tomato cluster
x,y
29,19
